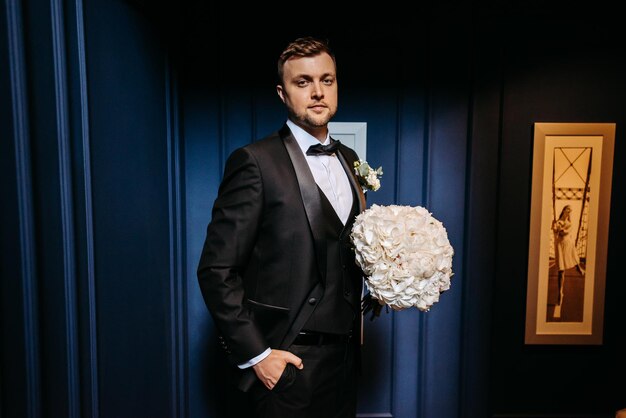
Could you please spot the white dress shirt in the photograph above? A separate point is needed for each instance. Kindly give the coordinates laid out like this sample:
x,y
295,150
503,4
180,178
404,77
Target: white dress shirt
x,y
327,172
331,179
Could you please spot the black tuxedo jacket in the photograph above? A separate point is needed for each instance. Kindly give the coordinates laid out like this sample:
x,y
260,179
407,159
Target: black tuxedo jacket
x,y
265,250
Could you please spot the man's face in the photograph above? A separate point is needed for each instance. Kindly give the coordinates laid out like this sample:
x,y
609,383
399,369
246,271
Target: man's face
x,y
309,91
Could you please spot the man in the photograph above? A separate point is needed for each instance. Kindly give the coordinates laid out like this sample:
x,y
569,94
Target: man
x,y
277,271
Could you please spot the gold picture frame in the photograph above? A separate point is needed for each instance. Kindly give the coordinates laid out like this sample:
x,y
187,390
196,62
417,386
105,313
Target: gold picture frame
x,y
569,225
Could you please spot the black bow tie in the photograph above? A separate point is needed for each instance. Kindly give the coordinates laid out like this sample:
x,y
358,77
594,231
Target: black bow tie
x,y
319,149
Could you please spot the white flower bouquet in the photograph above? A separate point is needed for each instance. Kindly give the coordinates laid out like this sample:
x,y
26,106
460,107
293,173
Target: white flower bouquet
x,y
405,254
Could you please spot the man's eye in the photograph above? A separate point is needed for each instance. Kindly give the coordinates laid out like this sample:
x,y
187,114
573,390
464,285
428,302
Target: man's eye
x,y
329,81
302,83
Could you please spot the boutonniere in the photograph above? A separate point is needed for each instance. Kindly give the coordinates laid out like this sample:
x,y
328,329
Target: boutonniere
x,y
369,179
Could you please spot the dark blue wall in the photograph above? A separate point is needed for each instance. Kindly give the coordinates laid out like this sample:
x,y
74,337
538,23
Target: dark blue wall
x,y
90,290
116,119
567,67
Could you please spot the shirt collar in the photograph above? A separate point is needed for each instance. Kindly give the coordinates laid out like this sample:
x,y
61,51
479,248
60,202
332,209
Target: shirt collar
x,y
303,138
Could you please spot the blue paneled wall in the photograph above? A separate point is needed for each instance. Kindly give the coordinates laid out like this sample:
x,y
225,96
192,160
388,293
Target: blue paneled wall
x,y
90,290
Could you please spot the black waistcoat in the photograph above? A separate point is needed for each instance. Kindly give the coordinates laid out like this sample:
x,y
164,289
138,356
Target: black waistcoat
x,y
338,308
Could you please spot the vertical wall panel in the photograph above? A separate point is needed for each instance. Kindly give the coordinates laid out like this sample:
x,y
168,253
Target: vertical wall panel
x,y
480,231
446,171
49,211
83,206
406,365
442,339
202,172
129,143
20,337
67,209
177,291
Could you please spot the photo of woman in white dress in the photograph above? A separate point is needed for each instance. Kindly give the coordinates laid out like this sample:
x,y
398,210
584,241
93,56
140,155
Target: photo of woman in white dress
x,y
565,253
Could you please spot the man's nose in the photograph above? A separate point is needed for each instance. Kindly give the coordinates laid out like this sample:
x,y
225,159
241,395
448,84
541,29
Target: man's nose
x,y
318,91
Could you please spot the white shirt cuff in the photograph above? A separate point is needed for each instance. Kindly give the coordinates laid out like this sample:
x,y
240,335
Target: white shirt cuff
x,y
255,360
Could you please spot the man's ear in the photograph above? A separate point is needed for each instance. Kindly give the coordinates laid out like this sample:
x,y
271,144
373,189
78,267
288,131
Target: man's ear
x,y
281,92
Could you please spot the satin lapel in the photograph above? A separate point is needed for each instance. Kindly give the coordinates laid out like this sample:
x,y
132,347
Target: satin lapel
x,y
310,197
354,182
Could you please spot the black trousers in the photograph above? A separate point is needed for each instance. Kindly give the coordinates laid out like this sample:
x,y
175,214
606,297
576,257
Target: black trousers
x,y
325,388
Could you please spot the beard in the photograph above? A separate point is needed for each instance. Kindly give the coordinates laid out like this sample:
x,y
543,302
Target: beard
x,y
311,120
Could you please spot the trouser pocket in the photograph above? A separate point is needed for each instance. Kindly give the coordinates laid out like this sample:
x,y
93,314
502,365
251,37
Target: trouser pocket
x,y
286,379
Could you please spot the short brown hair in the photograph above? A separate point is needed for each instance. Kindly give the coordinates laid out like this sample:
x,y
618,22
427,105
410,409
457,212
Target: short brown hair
x,y
307,46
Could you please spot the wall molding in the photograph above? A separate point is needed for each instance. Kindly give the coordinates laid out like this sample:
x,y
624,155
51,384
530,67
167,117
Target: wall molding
x,y
21,137
67,207
88,196
178,307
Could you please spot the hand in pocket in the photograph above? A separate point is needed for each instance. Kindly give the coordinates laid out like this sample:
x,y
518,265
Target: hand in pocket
x,y
287,378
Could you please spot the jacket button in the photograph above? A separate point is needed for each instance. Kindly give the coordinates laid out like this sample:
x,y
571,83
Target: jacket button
x,y
347,293
312,301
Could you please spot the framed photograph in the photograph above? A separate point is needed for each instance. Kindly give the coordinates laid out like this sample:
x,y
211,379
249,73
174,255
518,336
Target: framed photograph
x,y
569,224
